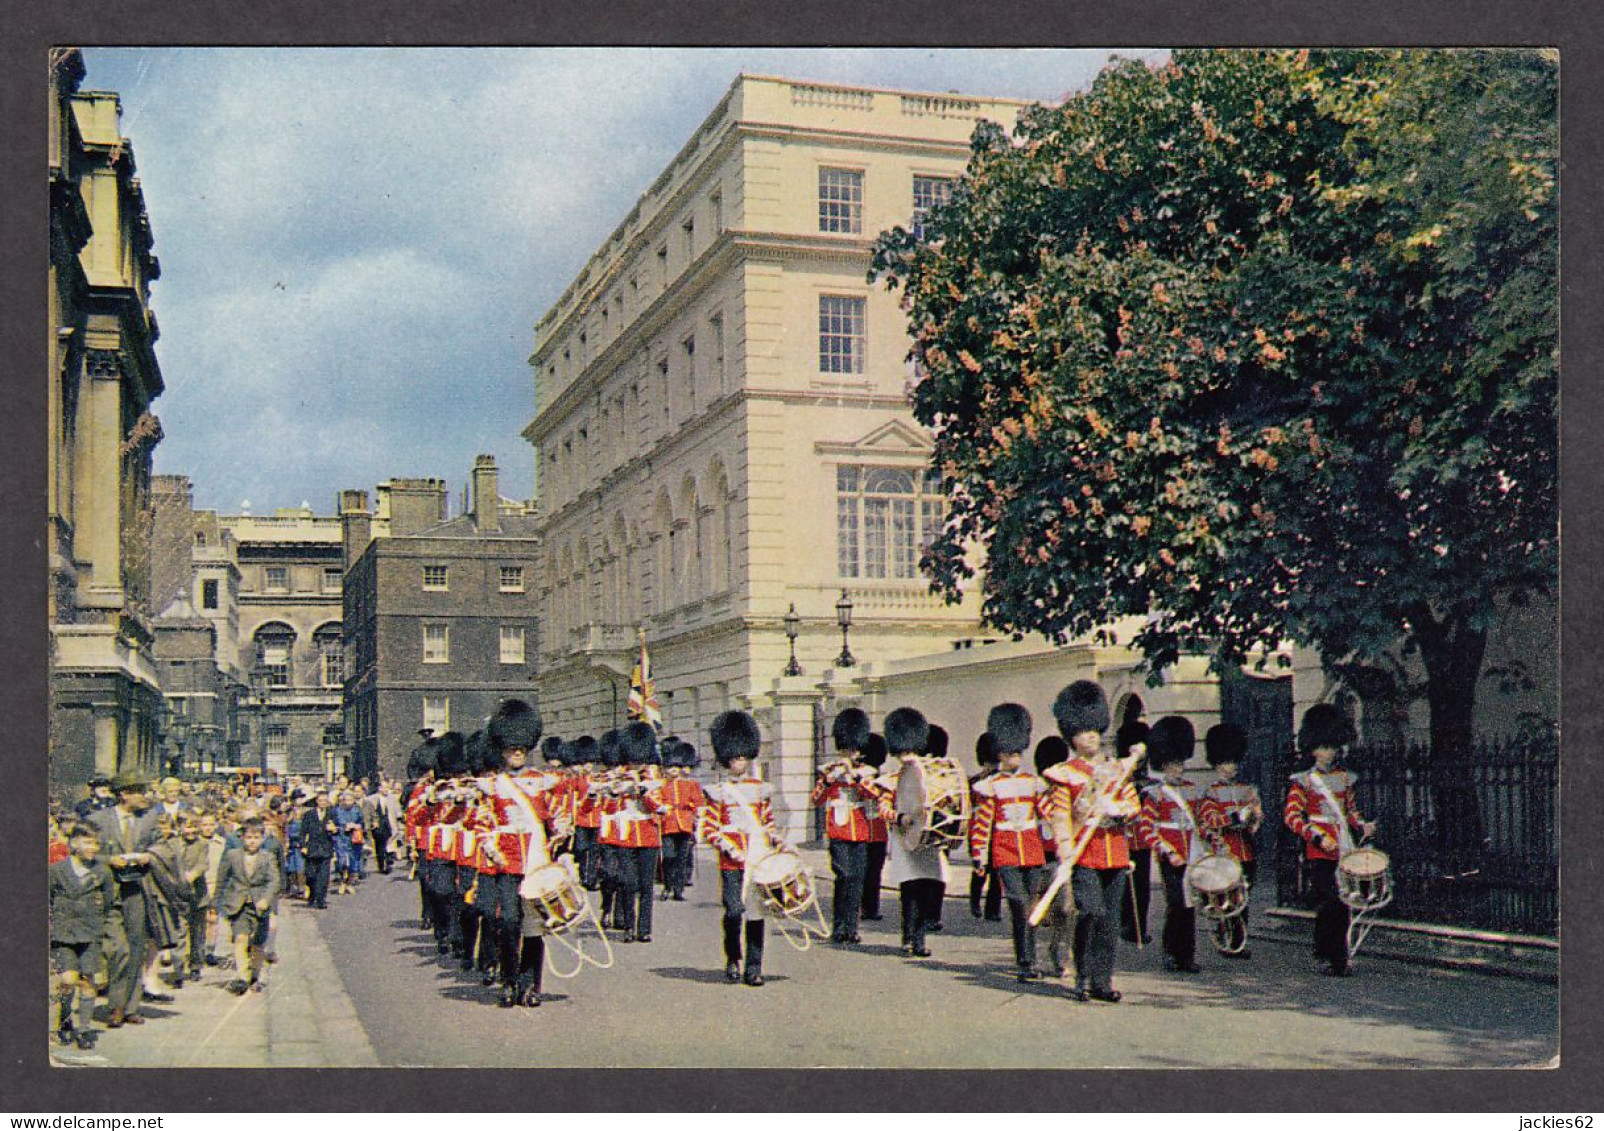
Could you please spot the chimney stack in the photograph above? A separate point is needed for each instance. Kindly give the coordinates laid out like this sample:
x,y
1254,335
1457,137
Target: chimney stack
x,y
356,524
486,495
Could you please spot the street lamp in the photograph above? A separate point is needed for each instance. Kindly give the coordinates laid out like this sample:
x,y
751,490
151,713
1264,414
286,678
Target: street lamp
x,y
793,626
180,732
259,686
843,617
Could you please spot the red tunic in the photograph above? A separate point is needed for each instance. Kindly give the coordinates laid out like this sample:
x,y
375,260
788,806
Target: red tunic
x,y
1225,810
682,800
848,807
522,805
726,819
1164,824
1308,815
588,799
1005,827
1108,846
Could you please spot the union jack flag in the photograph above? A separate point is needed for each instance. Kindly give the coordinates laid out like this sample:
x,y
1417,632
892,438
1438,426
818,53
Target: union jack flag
x,y
643,691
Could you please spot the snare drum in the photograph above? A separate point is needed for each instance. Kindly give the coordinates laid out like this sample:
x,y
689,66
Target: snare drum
x,y
553,900
934,794
1218,886
783,883
1364,879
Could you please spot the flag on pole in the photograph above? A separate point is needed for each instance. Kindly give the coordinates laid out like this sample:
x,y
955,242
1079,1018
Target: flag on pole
x,y
642,690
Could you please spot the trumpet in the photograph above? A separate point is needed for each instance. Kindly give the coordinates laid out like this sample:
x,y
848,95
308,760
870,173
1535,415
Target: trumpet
x,y
846,771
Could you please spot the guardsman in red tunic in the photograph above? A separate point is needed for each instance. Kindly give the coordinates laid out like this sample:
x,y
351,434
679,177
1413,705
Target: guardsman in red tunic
x,y
613,781
682,799
1054,751
1092,789
415,820
1232,812
874,858
521,799
581,756
983,887
847,791
1169,826
738,818
639,831
1321,811
448,809
474,864
1005,829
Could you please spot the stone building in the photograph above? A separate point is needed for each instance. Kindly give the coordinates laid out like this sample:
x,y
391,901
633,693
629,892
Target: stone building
x,y
440,612
104,698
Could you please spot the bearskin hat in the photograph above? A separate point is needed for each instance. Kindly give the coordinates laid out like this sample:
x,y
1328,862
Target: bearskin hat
x,y
907,731
685,755
638,744
1132,732
586,750
1225,742
551,749
1081,706
667,749
610,748
1171,740
986,749
1324,724
938,742
421,760
874,751
449,756
1050,751
1009,724
483,757
734,735
515,723
851,729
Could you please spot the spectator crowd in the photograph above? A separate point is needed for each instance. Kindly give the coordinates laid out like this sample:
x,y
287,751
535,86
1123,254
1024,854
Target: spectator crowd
x,y
155,886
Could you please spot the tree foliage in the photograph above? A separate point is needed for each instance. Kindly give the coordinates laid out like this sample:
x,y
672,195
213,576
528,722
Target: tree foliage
x,y
1258,345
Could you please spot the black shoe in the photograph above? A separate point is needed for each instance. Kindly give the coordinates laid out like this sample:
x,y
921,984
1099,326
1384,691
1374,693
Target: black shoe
x,y
238,987
629,937
663,898
441,947
64,1037
732,972
1029,974
997,918
85,1040
258,986
213,960
466,965
872,918
853,939
1188,968
531,998
920,951
907,949
1104,995
487,978
934,928
509,998
643,938
158,998
1336,971
678,897
194,974
837,937
753,978
974,912
1076,993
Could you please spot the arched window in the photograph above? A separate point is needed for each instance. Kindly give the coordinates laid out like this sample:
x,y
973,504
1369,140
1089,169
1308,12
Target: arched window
x,y
695,542
275,651
885,517
328,641
663,582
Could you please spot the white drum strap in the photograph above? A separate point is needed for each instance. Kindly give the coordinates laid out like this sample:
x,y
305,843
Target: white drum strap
x,y
1330,803
538,852
1194,843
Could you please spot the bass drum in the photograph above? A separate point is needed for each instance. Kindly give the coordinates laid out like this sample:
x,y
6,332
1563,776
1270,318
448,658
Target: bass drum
x,y
934,795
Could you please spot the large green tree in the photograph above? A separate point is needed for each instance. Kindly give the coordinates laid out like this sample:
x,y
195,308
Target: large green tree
x,y
1259,345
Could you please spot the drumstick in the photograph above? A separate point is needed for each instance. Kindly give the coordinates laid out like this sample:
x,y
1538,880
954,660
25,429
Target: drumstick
x,y
1130,876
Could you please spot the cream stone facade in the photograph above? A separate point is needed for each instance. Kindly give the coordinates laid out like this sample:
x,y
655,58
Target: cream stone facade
x,y
695,424
103,376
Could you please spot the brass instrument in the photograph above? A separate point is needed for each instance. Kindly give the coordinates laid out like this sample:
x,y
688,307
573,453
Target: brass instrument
x,y
844,771
1090,821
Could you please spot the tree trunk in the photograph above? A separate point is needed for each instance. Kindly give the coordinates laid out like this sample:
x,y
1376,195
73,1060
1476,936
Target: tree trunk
x,y
1452,653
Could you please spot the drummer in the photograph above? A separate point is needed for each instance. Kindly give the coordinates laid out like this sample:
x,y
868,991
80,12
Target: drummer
x,y
1231,810
1320,809
737,819
1168,825
920,873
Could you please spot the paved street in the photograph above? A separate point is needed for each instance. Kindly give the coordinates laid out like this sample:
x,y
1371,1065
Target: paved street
x,y
394,1002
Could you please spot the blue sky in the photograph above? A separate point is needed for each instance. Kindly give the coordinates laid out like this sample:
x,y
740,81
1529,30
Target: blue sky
x,y
356,243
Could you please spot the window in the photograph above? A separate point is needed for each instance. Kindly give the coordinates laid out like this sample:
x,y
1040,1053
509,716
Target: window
x,y
929,193
885,517
662,267
278,579
512,579
437,713
274,645
689,230
512,644
840,201
716,204
436,643
208,594
276,742
333,579
841,341
332,652
662,377
689,346
716,324
435,578
200,537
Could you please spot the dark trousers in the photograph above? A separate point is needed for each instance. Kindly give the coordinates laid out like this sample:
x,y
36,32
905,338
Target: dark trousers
x,y
1330,914
439,886
317,881
126,983
874,863
983,883
381,849
1097,908
607,878
637,872
1138,894
1021,887
586,858
195,928
677,849
921,905
734,910
1180,921
848,860
502,915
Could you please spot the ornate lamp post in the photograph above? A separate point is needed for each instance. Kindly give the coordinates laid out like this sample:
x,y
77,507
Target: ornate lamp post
x,y
843,617
793,627
180,732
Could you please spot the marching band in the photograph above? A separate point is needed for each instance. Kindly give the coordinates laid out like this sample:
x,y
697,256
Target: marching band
x,y
509,837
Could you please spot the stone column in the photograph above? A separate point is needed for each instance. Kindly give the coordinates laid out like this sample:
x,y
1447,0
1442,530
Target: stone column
x,y
790,758
108,740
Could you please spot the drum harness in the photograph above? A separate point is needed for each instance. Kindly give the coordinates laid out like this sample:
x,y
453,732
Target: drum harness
x,y
538,837
1358,925
760,832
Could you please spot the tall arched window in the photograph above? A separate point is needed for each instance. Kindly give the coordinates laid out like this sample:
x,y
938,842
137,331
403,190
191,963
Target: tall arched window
x,y
663,582
695,539
328,641
885,516
275,652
